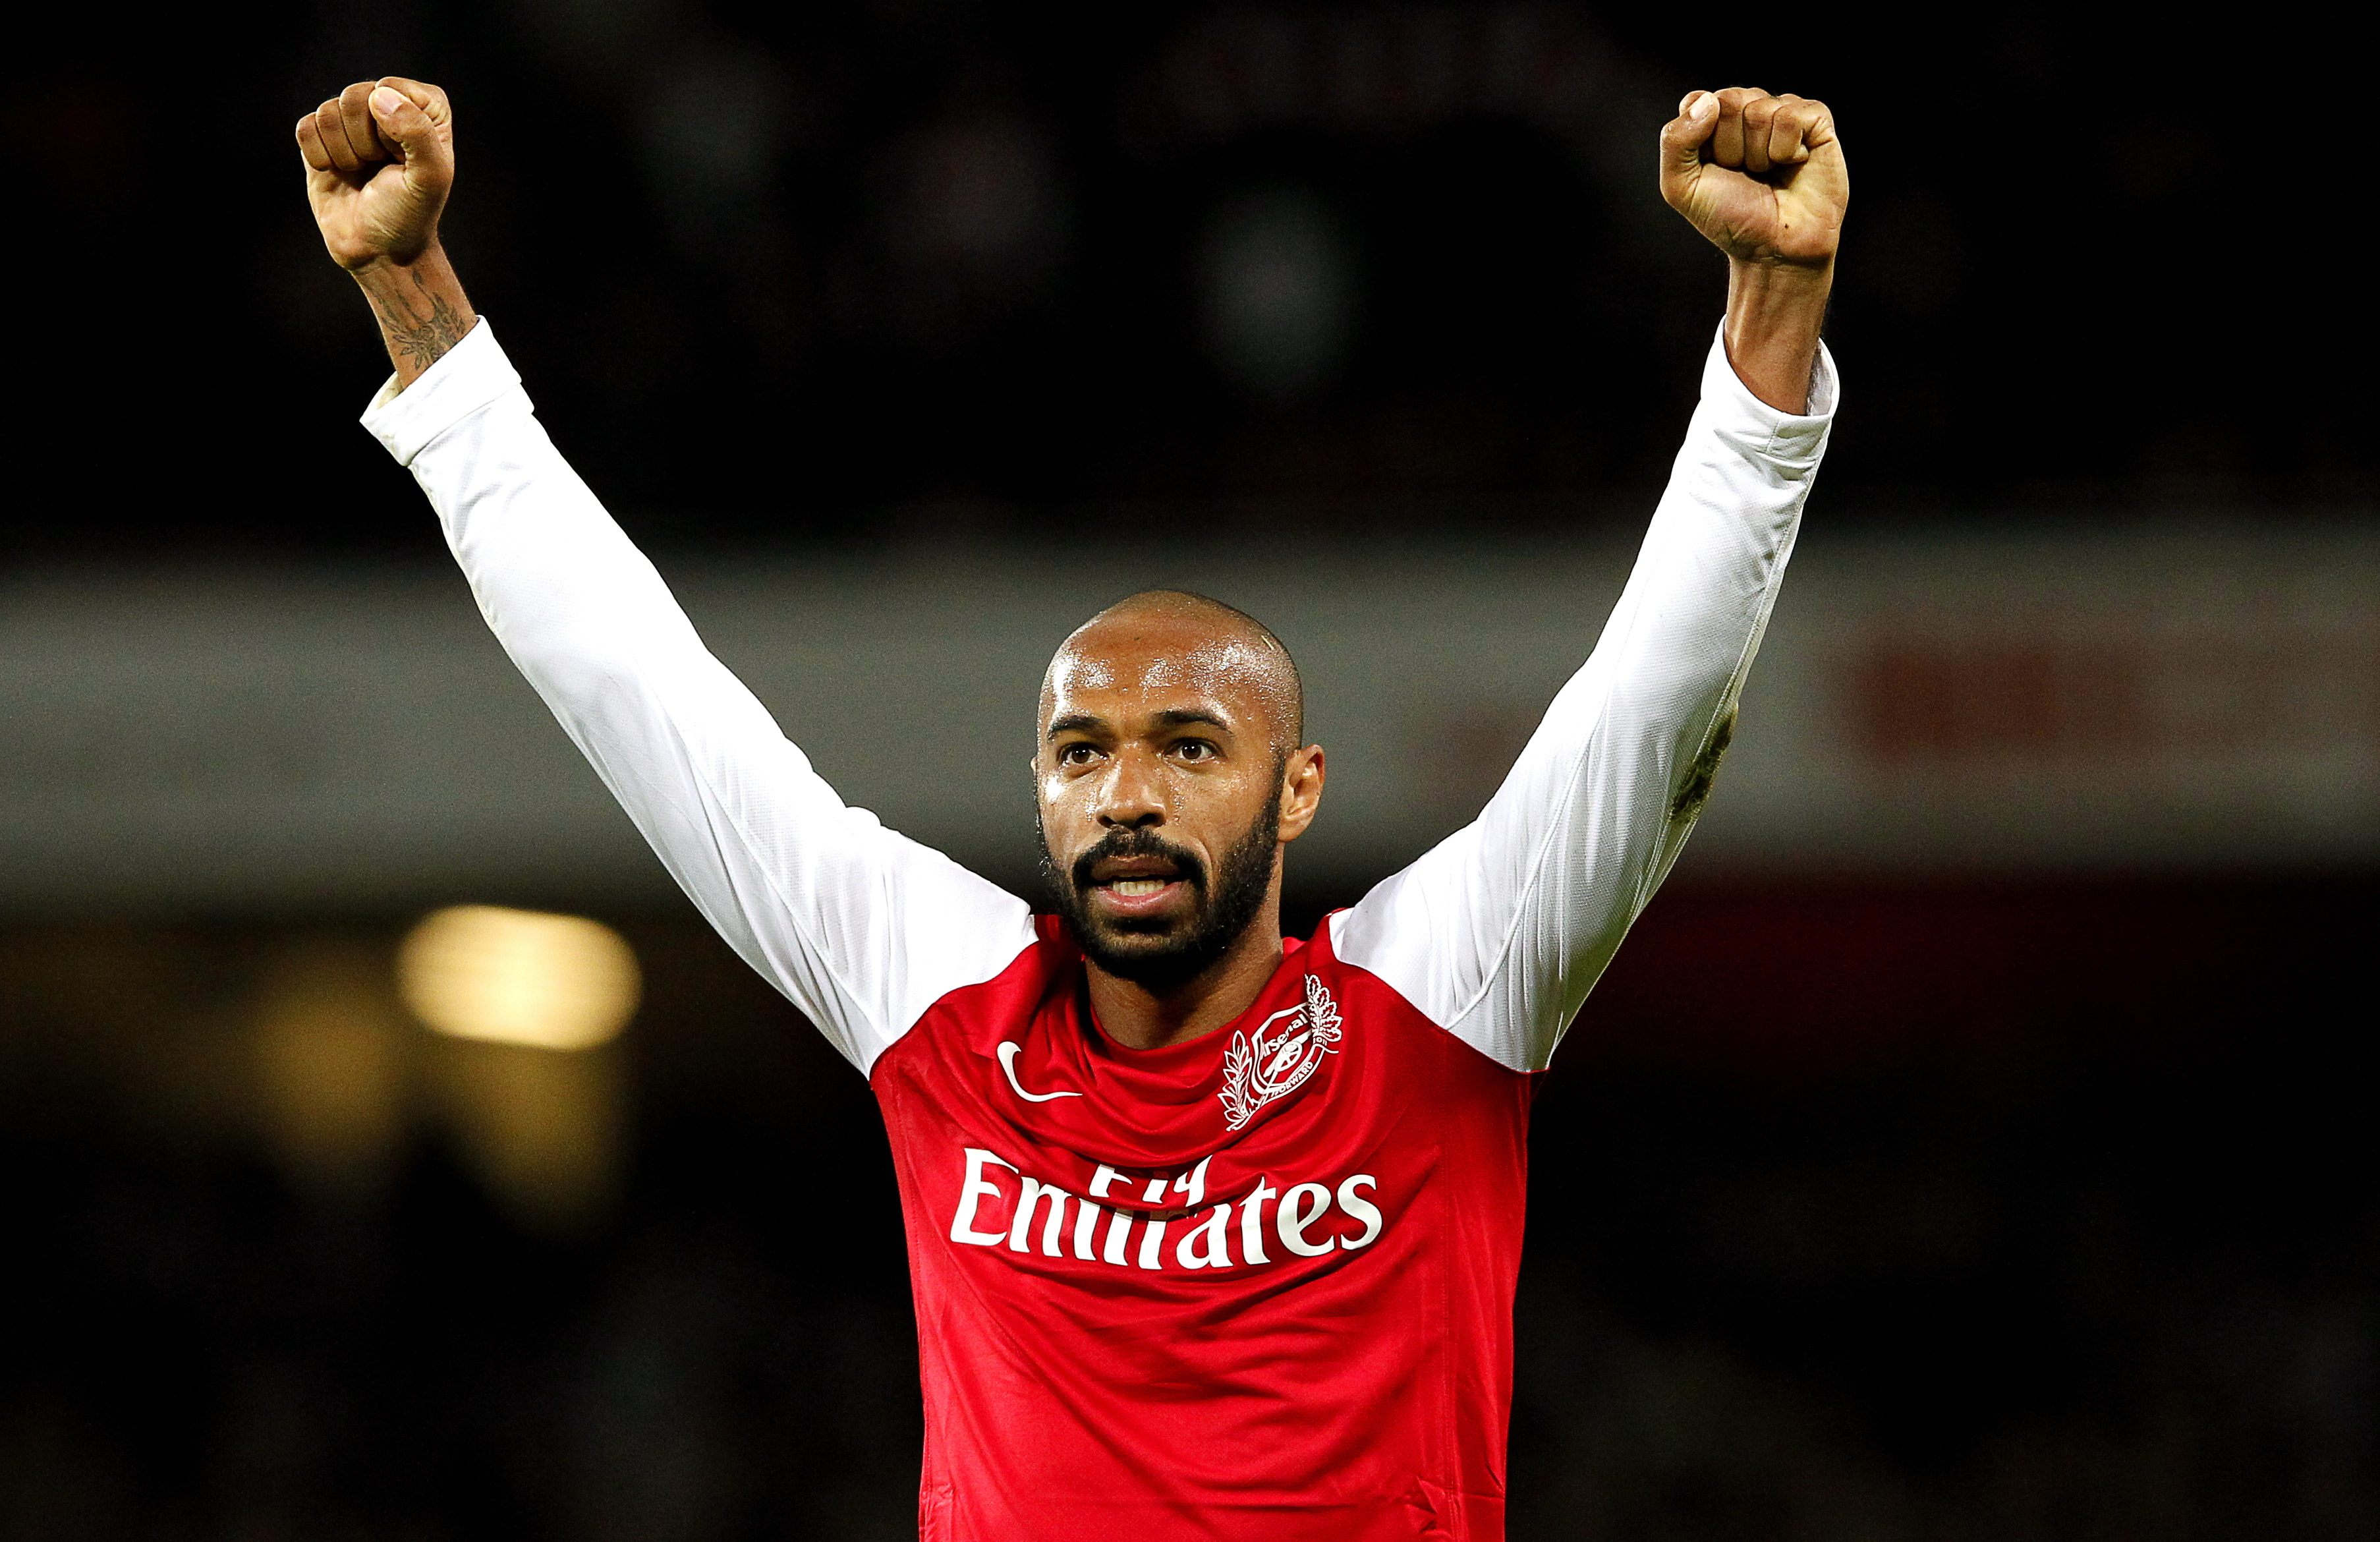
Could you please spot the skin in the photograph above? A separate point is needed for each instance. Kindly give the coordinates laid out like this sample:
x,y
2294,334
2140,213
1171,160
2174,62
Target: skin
x,y
379,160
1182,720
1158,714
1763,178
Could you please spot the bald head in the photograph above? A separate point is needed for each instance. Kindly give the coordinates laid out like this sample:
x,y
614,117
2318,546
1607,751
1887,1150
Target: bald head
x,y
1170,776
1171,638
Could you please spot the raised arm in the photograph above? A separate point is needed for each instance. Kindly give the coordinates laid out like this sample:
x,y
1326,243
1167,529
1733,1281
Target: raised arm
x,y
1499,931
859,927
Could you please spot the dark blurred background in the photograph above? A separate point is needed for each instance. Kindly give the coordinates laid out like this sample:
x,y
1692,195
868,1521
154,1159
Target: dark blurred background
x,y
822,272
1990,1186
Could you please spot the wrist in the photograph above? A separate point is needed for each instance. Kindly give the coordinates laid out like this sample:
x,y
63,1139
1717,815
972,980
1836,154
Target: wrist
x,y
1769,282
387,271
1775,312
420,305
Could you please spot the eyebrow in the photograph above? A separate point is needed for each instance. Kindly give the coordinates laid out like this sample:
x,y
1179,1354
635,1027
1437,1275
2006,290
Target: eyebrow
x,y
1182,718
1083,722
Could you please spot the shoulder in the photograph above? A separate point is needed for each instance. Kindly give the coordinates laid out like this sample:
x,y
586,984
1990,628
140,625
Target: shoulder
x,y
1046,971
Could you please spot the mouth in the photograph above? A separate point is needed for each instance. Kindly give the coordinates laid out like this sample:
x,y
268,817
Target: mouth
x,y
1133,871
1140,904
1141,889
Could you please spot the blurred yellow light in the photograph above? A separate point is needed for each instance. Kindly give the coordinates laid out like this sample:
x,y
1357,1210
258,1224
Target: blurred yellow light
x,y
518,976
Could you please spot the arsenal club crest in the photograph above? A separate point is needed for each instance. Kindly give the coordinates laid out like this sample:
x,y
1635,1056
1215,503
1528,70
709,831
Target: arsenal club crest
x,y
1275,1060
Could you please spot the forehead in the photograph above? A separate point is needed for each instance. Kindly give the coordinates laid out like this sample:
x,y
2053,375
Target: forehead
x,y
1119,665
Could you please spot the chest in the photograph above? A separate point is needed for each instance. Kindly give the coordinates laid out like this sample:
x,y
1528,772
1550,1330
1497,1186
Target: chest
x,y
1299,1136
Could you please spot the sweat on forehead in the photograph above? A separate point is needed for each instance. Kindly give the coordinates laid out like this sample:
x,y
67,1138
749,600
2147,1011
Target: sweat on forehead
x,y
1162,636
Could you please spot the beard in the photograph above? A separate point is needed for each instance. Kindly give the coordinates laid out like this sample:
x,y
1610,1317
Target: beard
x,y
1160,954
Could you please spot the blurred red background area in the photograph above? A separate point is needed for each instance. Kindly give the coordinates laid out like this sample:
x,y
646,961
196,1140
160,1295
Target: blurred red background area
x,y
1977,978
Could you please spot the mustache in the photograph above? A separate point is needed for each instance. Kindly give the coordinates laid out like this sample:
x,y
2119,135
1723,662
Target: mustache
x,y
1119,843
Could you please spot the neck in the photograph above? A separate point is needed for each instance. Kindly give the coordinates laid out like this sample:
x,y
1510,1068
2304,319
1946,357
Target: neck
x,y
1140,1017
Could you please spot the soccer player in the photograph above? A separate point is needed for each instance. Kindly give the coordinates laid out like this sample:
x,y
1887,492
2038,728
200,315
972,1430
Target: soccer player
x,y
1213,1233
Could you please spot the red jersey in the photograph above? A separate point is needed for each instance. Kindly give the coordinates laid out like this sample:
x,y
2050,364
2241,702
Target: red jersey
x,y
1254,1286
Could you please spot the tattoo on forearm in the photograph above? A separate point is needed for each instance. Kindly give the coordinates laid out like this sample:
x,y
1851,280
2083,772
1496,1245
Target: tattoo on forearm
x,y
421,331
426,342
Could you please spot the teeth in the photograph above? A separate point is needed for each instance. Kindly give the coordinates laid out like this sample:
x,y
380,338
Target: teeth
x,y
1137,885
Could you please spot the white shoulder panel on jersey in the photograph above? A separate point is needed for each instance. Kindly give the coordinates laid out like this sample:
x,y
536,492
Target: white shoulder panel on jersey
x,y
861,927
1498,933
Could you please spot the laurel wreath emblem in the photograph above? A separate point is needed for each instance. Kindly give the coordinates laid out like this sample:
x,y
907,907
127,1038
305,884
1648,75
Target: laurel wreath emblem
x,y
1260,1067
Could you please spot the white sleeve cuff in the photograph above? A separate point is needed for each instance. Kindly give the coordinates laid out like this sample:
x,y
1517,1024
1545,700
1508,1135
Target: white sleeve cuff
x,y
1792,436
468,377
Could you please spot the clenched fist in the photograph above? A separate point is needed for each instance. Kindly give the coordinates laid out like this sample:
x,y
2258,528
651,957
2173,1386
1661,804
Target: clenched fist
x,y
1761,176
379,160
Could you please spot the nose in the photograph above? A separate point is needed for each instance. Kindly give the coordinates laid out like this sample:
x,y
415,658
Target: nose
x,y
1131,798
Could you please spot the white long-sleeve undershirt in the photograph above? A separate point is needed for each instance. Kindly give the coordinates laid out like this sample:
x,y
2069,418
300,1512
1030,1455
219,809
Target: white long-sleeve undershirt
x,y
1497,934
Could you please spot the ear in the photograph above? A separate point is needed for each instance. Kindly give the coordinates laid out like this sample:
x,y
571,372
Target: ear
x,y
1301,792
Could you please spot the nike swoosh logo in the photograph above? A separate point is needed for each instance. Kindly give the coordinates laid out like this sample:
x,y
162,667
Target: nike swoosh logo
x,y
1008,1053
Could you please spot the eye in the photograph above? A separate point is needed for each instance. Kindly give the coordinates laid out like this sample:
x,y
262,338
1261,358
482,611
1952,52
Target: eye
x,y
1077,754
1195,750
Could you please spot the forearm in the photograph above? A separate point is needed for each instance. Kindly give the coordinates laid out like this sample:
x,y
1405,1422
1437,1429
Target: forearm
x,y
1641,728
1774,315
421,308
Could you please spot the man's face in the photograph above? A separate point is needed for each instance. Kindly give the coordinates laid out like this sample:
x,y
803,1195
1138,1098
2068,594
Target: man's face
x,y
1162,792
